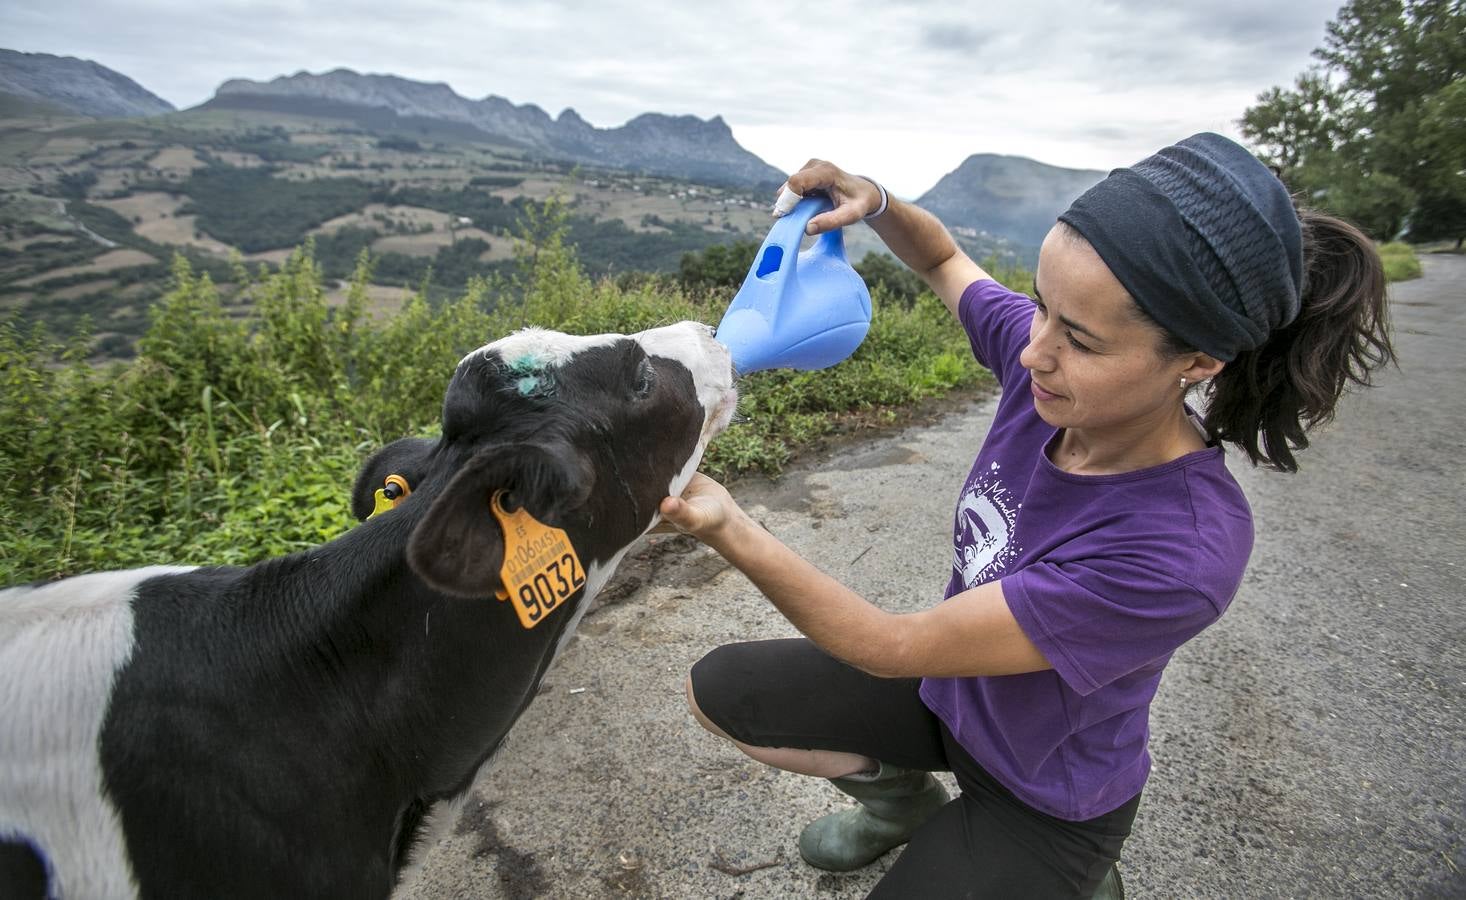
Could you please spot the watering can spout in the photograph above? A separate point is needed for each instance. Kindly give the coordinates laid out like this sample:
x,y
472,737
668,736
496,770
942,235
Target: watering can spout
x,y
797,310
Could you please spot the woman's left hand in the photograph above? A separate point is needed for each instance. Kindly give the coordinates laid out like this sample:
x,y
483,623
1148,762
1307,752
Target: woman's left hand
x,y
704,510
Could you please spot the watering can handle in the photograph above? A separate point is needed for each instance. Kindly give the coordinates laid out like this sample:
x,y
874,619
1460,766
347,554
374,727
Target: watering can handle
x,y
787,234
806,319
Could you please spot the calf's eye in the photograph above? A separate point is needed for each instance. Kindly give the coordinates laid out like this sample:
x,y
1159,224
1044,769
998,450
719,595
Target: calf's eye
x,y
645,379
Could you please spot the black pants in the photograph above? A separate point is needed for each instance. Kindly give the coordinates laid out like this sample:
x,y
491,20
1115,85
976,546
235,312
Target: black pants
x,y
985,843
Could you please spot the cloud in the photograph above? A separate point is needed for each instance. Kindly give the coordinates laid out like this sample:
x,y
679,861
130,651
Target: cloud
x,y
911,87
953,36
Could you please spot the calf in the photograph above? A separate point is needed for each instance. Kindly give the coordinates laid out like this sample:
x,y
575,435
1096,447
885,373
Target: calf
x,y
288,729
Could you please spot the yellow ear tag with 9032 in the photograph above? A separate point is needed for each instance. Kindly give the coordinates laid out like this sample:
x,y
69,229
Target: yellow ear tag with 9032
x,y
541,570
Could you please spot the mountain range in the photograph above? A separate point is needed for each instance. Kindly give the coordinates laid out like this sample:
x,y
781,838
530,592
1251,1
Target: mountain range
x,y
77,86
1007,197
702,150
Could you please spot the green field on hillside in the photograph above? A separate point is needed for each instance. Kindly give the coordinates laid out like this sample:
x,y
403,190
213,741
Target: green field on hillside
x,y
239,188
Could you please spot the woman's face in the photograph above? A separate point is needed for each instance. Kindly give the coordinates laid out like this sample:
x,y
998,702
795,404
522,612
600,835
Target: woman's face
x,y
1095,362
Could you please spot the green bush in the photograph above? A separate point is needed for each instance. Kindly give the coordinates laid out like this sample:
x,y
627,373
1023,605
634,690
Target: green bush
x,y
1401,263
230,440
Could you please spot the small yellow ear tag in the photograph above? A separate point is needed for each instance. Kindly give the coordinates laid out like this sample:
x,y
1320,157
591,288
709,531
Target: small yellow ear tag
x,y
541,570
394,490
382,503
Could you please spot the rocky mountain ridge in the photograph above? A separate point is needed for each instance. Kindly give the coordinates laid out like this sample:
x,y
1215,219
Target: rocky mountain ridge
x,y
1011,196
686,146
77,86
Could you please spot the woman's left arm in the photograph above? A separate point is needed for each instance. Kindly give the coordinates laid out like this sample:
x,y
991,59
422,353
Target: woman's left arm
x,y
971,633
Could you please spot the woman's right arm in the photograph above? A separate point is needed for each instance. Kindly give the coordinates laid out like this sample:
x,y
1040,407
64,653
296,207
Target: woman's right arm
x,y
912,234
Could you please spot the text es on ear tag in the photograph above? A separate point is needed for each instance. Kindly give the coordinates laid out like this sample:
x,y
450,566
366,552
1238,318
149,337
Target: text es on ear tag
x,y
541,570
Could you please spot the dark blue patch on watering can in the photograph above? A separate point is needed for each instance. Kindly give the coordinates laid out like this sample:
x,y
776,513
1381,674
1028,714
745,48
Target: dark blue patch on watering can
x,y
808,313
769,260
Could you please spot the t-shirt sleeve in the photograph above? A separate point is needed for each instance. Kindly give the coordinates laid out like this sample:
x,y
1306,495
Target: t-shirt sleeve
x,y
1097,620
996,320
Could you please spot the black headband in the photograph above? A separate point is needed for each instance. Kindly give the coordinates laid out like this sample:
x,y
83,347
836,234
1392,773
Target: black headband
x,y
1205,238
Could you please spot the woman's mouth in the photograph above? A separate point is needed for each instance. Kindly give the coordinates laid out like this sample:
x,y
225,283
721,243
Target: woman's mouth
x,y
1041,394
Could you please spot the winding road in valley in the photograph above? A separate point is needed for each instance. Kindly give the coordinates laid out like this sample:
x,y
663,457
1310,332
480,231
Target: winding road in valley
x,y
1311,744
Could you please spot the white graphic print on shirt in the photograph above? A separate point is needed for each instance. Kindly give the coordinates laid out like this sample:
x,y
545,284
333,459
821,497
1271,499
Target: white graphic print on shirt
x,y
984,541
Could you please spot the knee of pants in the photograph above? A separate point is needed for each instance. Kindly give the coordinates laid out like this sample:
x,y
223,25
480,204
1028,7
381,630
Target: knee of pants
x,y
710,673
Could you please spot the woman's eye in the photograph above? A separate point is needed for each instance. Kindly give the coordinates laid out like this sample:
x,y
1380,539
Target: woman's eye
x,y
1075,343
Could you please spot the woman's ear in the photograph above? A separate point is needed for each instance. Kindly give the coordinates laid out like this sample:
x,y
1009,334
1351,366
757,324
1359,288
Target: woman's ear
x,y
1201,368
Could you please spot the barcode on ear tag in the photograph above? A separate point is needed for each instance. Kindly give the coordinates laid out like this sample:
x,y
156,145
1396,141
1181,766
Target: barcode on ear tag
x,y
541,570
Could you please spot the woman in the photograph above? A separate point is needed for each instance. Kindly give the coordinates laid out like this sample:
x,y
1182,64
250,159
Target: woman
x,y
1097,531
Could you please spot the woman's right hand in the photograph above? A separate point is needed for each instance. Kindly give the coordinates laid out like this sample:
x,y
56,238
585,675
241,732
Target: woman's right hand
x,y
854,197
913,235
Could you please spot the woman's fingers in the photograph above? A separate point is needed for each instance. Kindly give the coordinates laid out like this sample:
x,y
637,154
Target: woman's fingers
x,y
676,511
704,505
854,197
817,175
847,213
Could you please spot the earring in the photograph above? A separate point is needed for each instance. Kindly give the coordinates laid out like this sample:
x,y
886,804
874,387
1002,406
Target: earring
x,y
1183,382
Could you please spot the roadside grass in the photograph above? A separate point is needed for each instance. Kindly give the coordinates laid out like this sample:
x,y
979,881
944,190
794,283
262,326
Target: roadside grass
x,y
1400,261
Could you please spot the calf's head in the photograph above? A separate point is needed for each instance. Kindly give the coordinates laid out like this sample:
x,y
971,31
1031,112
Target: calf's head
x,y
587,434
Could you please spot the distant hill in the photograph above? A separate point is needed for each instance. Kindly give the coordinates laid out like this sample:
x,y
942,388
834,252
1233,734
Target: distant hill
x,y
679,146
436,188
1008,196
77,86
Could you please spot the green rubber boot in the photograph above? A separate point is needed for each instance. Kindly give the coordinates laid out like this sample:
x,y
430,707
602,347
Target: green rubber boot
x,y
894,802
1112,888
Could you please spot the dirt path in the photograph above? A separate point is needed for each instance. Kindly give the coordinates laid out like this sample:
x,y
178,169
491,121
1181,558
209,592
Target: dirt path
x,y
1311,744
61,211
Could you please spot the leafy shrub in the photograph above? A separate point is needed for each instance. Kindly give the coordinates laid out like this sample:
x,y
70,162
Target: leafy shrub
x,y
230,440
718,266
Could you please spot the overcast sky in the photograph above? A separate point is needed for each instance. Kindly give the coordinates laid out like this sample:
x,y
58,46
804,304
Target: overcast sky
x,y
901,91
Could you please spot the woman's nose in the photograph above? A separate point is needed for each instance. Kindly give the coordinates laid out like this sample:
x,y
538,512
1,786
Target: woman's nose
x,y
1034,356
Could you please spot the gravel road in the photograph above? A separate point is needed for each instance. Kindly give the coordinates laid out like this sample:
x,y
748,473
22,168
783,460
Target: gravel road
x,y
1311,744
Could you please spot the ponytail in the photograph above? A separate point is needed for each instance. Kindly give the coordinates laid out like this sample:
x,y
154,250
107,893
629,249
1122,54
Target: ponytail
x,y
1267,400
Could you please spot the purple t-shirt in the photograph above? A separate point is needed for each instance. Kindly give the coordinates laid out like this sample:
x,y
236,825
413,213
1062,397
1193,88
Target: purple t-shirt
x,y
1106,574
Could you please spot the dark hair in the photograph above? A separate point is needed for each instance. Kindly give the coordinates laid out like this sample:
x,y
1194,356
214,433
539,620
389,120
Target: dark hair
x,y
1267,400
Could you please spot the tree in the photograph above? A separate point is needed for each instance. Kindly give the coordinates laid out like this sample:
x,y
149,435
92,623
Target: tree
x,y
1287,126
1441,211
883,272
718,266
1377,132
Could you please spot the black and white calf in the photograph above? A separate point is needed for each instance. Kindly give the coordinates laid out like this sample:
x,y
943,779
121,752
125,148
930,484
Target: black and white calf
x,y
287,729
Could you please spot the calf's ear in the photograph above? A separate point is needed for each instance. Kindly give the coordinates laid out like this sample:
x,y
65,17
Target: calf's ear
x,y
407,457
458,548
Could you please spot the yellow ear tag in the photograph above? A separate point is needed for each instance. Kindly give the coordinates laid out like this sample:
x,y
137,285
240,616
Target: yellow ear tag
x,y
382,504
400,490
541,570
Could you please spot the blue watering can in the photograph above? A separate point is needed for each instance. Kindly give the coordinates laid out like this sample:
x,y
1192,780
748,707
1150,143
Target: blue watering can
x,y
797,310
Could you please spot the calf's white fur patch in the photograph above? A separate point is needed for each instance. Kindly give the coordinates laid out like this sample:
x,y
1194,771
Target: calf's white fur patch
x,y
61,646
